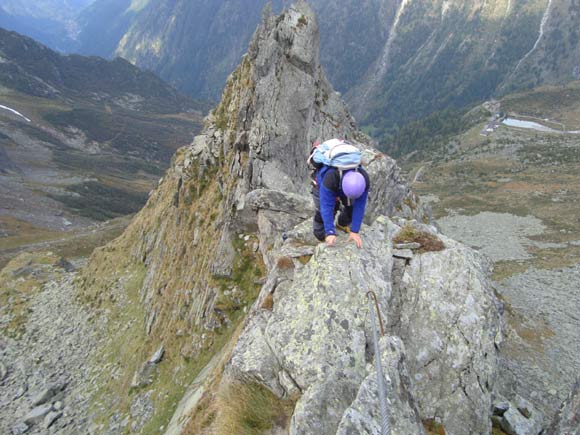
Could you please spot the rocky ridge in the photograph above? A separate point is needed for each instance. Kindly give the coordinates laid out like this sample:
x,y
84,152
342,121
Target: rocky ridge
x,y
227,233
443,329
311,345
191,260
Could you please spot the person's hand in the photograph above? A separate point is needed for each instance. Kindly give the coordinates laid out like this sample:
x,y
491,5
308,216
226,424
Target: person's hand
x,y
330,240
356,238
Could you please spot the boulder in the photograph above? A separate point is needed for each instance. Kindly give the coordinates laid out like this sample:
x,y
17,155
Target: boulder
x,y
51,417
144,376
47,394
20,428
514,422
158,355
445,311
37,414
3,371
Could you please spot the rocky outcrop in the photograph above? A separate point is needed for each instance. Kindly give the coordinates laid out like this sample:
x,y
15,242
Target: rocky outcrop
x,y
518,417
445,311
247,172
444,326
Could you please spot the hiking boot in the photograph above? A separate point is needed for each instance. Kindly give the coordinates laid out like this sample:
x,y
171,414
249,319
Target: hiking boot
x,y
345,228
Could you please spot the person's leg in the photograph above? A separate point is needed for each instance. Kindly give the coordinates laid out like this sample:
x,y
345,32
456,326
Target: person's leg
x,y
317,223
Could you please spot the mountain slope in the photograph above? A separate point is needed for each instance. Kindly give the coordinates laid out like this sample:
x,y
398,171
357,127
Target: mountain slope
x,y
398,60
52,22
192,44
84,138
102,25
444,54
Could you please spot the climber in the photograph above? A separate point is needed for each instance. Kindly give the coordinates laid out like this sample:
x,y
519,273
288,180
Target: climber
x,y
337,188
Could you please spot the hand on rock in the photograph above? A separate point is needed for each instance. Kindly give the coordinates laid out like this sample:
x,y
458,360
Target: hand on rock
x,y
330,240
356,238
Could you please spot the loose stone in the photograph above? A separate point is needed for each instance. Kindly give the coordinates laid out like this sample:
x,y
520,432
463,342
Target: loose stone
x,y
51,418
3,371
403,253
157,356
20,428
37,414
410,245
47,394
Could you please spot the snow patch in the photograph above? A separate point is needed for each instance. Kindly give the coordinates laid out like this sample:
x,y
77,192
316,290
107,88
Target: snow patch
x,y
15,112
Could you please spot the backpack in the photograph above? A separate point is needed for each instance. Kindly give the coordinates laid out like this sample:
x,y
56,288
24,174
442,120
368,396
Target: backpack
x,y
337,153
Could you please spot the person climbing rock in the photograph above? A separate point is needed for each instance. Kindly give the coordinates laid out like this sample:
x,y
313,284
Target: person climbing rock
x,y
338,184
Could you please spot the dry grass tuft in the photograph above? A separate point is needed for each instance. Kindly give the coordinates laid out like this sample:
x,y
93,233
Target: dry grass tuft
x,y
428,242
249,409
433,428
304,259
496,430
268,303
285,263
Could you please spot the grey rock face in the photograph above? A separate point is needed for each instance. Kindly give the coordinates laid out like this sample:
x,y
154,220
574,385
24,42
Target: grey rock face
x,y
446,314
254,149
280,102
318,334
567,420
363,415
316,331
253,358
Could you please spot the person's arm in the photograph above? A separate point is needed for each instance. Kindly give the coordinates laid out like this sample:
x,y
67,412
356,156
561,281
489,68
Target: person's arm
x,y
358,212
327,204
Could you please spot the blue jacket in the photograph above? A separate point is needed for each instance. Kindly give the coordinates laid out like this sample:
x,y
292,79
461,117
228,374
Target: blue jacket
x,y
329,182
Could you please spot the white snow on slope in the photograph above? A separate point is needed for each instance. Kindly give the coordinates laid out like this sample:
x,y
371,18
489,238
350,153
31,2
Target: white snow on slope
x,y
15,112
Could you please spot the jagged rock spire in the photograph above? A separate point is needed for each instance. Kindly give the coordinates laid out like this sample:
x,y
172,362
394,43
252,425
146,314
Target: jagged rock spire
x,y
278,101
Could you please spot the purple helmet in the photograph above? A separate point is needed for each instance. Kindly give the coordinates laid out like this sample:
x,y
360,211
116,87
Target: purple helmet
x,y
353,184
